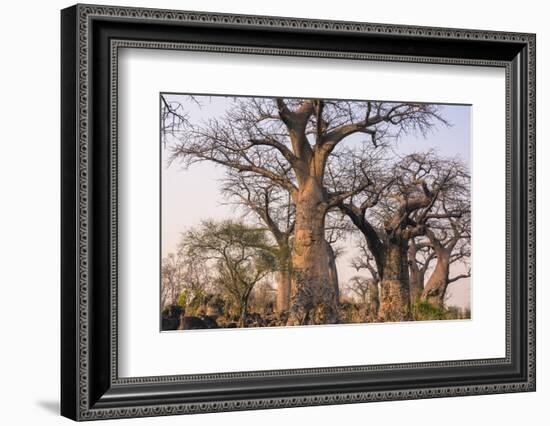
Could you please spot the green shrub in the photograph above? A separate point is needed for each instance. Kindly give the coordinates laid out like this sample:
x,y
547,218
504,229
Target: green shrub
x,y
191,301
423,310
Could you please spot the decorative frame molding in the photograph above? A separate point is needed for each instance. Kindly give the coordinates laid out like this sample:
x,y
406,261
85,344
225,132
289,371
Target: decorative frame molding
x,y
91,37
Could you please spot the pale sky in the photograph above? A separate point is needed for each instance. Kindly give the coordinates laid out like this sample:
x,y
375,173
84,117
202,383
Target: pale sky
x,y
192,195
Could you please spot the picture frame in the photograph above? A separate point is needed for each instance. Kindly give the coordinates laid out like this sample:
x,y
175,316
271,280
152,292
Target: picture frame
x,y
90,384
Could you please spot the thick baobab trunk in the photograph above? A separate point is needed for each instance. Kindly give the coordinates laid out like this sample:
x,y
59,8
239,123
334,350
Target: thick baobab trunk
x,y
436,287
313,298
394,287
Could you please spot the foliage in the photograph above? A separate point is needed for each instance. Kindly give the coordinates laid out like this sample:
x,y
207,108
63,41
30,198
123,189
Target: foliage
x,y
423,310
192,301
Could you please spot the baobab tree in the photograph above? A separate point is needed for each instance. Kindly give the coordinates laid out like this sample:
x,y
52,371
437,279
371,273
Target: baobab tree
x,y
446,240
420,258
256,134
450,245
241,255
400,206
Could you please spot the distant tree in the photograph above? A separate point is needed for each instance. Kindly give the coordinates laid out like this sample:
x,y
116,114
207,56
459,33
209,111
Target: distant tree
x,y
264,298
364,261
172,276
240,254
367,288
197,282
420,258
450,244
184,278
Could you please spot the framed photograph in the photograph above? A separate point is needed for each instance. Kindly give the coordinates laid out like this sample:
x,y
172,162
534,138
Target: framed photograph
x,y
263,212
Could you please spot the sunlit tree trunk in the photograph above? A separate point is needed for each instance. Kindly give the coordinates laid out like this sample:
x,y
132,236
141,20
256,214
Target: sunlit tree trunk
x,y
436,287
313,296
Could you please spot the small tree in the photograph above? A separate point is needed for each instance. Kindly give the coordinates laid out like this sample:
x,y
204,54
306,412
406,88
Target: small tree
x,y
241,256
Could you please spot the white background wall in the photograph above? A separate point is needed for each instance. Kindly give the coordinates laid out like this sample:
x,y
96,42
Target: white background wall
x,y
29,211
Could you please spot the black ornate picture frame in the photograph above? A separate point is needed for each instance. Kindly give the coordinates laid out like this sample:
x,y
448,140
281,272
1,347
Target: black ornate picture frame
x,y
91,387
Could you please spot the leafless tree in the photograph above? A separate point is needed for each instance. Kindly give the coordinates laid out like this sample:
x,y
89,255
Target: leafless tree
x,y
369,286
366,289
364,261
172,276
173,119
450,242
336,229
446,240
400,206
420,258
263,298
256,134
359,288
183,275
